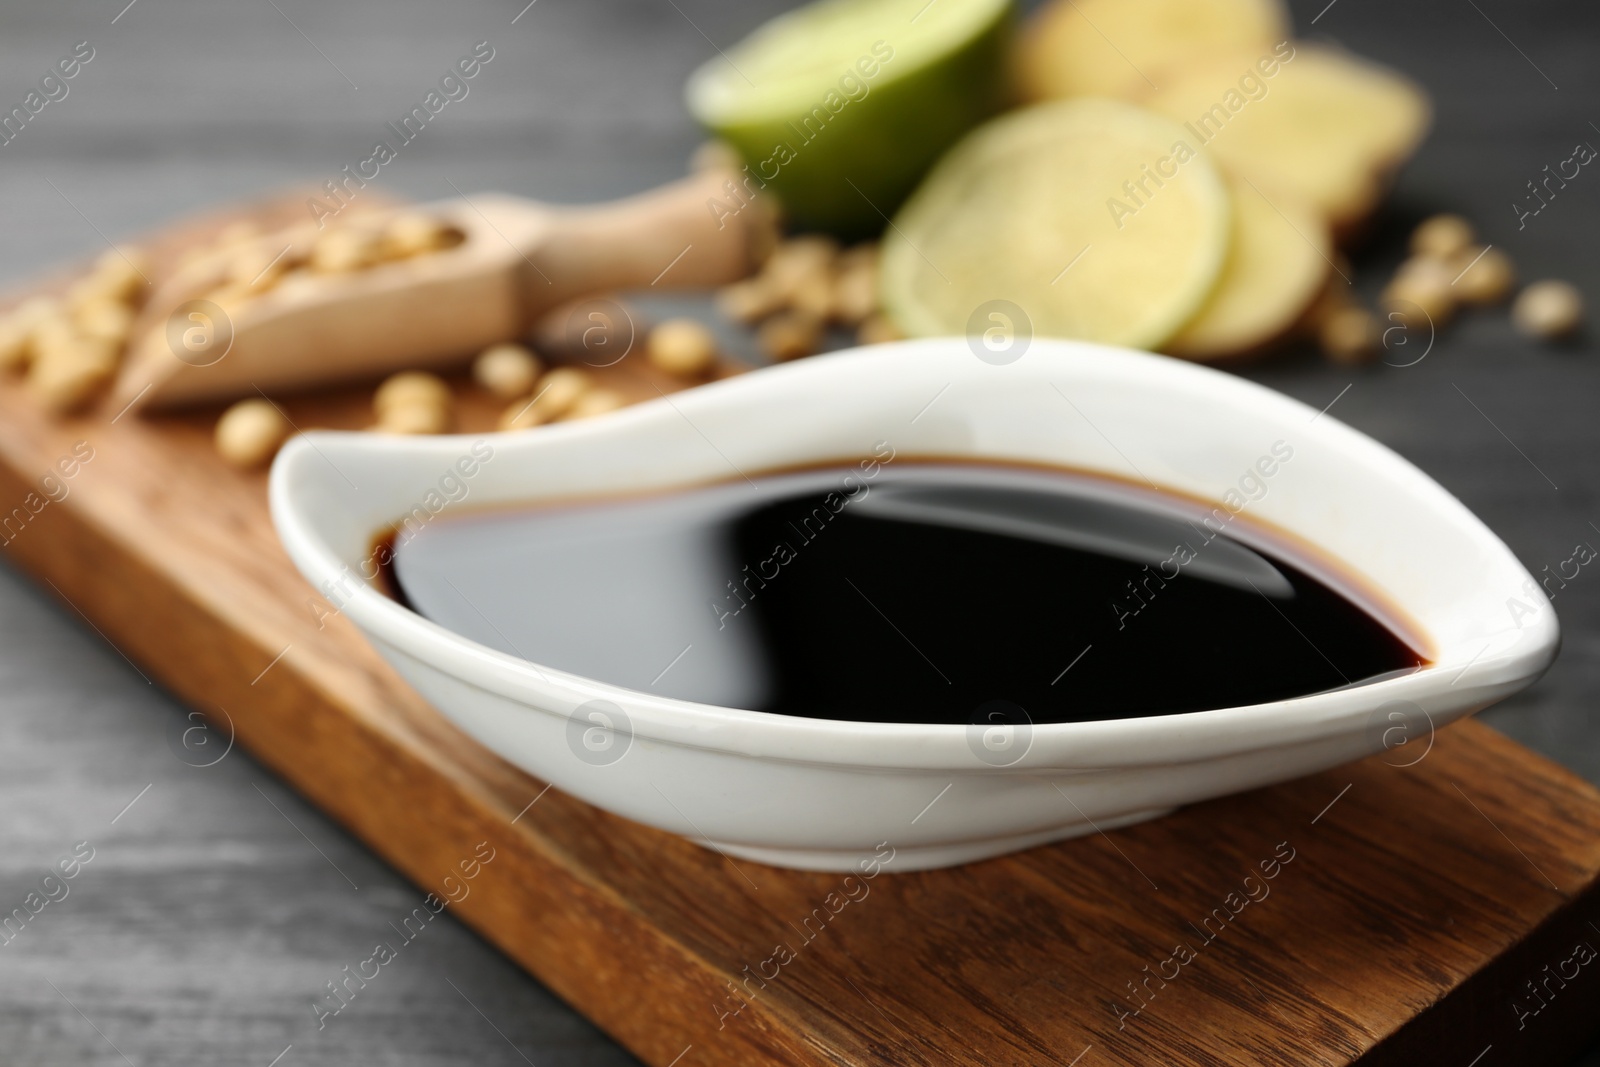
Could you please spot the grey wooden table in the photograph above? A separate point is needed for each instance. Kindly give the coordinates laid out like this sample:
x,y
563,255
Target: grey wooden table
x,y
218,904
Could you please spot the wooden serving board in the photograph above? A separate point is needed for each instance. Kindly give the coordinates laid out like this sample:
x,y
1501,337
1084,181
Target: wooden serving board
x,y
1446,911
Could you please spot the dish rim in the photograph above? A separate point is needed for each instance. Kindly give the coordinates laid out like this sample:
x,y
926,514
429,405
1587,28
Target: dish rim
x,y
1178,738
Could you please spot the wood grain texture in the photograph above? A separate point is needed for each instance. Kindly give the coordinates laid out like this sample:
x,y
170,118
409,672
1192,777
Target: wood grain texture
x,y
1405,905
210,918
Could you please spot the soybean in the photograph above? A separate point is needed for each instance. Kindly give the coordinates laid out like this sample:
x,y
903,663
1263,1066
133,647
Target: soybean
x,y
1548,310
682,347
506,370
251,432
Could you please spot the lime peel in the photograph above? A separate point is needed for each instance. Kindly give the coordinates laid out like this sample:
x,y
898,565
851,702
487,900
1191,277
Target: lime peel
x,y
841,106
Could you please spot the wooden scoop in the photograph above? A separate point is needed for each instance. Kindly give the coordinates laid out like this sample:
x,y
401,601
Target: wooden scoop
x,y
519,259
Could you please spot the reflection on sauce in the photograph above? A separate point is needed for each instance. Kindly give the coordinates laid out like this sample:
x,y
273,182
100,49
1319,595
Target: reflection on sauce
x,y
912,592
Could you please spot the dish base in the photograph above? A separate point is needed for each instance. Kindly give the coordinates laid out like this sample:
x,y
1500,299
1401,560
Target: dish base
x,y
927,858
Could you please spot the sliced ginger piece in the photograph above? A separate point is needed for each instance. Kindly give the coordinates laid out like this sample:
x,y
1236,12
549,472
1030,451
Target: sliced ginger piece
x,y
1035,208
1126,47
1277,265
1328,127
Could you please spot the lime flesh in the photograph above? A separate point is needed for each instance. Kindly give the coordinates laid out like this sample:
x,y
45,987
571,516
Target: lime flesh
x,y
1081,213
840,107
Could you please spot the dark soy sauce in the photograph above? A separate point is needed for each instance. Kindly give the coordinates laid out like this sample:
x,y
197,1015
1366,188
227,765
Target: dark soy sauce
x,y
911,592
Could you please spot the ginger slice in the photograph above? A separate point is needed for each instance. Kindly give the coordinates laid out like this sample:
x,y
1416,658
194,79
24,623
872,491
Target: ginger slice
x,y
1126,47
1278,263
1325,126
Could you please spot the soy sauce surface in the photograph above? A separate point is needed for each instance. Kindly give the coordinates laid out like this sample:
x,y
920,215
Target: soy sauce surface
x,y
918,592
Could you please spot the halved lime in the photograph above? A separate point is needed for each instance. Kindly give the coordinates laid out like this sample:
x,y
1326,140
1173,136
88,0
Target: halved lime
x,y
1096,218
841,106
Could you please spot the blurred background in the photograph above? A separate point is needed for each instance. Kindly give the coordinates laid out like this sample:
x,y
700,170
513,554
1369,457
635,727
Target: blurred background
x,y
208,924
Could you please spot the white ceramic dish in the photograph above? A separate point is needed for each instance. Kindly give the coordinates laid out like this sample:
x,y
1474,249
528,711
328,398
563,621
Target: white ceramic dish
x,y
817,793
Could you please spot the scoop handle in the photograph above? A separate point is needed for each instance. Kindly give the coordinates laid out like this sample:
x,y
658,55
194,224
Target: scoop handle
x,y
703,231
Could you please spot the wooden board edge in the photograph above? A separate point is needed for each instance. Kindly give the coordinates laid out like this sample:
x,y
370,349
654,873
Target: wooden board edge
x,y
1545,1018
375,774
